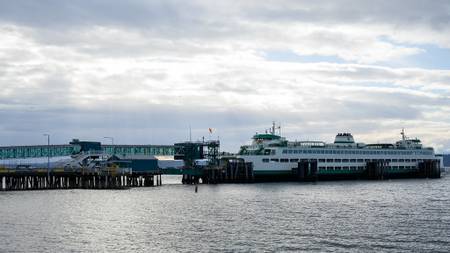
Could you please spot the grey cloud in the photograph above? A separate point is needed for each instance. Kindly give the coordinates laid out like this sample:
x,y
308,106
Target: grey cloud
x,y
149,124
60,86
400,13
164,124
187,18
54,13
173,13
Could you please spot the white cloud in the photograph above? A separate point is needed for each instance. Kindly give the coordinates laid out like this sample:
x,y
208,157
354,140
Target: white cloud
x,y
127,76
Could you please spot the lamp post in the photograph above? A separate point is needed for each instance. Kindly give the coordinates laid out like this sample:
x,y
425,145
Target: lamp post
x,y
48,155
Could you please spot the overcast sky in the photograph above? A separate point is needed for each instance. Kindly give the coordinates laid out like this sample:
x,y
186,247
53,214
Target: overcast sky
x,y
143,71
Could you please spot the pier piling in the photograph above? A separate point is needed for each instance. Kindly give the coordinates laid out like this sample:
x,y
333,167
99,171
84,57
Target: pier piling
x,y
26,180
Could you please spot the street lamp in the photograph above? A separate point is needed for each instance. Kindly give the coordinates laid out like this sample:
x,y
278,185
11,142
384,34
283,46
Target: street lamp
x,y
48,155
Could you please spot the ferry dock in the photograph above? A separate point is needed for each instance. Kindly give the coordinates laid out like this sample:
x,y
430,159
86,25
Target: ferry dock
x,y
96,166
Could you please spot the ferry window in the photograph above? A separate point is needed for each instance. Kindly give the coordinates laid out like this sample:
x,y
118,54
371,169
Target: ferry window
x,y
265,160
295,151
284,151
360,160
334,151
330,168
321,160
272,152
388,160
329,160
345,160
304,160
305,151
401,160
294,160
337,168
267,152
413,160
345,168
360,167
290,151
401,167
407,160
283,160
367,160
321,168
352,167
394,160
313,160
337,160
353,160
274,160
309,151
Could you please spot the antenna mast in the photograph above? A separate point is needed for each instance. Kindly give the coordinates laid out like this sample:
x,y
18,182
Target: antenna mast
x,y
403,134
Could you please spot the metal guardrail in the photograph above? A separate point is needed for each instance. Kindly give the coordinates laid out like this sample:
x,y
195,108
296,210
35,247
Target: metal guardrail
x,y
37,151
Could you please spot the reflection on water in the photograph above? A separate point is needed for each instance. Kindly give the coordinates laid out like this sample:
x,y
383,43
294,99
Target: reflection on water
x,y
394,215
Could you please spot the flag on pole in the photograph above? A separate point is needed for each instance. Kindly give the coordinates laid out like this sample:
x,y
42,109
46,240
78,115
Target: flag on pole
x,y
210,130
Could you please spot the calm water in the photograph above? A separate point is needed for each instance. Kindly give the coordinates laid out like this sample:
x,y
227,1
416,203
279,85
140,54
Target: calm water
x,y
396,215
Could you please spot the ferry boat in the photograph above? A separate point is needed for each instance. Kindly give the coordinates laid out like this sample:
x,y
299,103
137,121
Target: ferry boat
x,y
273,155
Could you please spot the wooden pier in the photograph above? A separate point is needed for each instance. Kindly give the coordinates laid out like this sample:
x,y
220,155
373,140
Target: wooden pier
x,y
20,180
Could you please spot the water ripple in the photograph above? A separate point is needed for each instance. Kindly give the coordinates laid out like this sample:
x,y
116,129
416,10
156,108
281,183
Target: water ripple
x,y
353,216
